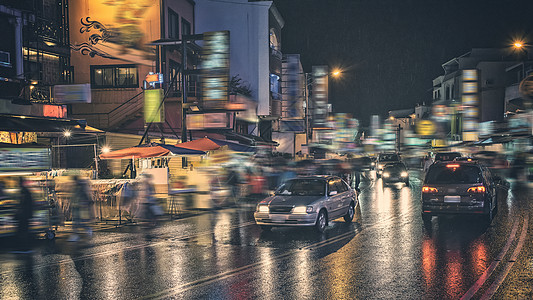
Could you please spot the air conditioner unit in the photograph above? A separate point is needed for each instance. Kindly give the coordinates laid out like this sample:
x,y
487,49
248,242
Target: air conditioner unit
x,y
5,59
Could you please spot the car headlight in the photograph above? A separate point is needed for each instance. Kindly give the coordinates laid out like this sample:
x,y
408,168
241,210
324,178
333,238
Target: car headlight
x,y
386,174
302,209
404,174
262,208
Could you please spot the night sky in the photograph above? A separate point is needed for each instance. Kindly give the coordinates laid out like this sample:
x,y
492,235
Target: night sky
x,y
391,50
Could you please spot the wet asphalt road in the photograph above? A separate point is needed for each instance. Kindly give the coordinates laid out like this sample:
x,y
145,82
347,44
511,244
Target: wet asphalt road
x,y
387,253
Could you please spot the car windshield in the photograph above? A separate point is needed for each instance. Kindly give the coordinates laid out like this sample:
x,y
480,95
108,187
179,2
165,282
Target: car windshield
x,y
446,156
395,168
389,157
303,187
448,175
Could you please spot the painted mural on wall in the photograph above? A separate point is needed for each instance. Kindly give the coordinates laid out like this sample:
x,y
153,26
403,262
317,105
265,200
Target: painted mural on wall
x,y
115,29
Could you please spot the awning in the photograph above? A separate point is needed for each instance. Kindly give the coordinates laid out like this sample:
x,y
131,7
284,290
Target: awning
x,y
150,150
249,139
209,144
41,124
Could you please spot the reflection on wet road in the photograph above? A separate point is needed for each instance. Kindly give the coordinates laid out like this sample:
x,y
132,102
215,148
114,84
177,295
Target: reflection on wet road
x,y
387,252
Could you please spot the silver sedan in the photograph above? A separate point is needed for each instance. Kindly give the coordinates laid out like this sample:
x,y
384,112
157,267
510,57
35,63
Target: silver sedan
x,y
307,201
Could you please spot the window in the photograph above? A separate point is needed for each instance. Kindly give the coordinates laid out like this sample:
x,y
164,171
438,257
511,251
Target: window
x,y
332,187
461,175
173,24
185,27
341,188
123,76
174,72
302,187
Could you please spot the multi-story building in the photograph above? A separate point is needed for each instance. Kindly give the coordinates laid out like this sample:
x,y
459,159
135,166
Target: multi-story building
x,y
471,90
111,50
34,56
291,127
255,51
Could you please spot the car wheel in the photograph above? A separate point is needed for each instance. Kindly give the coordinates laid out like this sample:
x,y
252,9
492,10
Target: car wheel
x,y
321,221
266,227
348,217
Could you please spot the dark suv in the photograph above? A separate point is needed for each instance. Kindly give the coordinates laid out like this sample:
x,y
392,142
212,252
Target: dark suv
x,y
383,159
458,187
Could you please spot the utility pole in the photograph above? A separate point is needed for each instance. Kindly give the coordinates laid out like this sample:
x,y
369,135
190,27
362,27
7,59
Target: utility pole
x,y
398,135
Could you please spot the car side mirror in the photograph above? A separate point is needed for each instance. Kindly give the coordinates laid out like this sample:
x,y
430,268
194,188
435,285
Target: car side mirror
x,y
332,193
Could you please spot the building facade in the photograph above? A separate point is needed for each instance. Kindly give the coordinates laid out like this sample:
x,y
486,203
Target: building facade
x,y
255,51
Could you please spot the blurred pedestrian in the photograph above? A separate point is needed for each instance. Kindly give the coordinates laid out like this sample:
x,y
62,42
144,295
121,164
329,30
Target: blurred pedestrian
x,y
518,166
427,162
23,215
151,210
81,207
233,183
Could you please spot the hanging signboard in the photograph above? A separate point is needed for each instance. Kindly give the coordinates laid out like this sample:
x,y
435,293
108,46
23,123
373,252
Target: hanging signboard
x,y
470,104
154,112
209,121
72,93
215,69
320,96
24,159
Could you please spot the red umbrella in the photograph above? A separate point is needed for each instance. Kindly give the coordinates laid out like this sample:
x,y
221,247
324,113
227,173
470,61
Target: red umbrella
x,y
149,150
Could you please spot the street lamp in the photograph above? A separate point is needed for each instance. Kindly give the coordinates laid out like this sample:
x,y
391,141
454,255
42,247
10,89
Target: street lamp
x,y
336,73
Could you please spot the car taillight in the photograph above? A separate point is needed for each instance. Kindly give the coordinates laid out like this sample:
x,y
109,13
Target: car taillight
x,y
428,189
452,166
477,189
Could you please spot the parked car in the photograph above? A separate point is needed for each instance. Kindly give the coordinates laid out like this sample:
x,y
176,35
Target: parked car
x,y
395,172
307,201
459,187
383,159
446,156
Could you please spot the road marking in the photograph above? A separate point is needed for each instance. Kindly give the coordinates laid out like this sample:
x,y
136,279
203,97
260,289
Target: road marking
x,y
499,280
237,271
119,250
481,280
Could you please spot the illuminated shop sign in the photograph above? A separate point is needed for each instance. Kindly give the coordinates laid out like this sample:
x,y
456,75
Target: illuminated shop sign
x,y
24,159
470,105
72,93
215,69
209,121
292,102
320,96
114,29
154,112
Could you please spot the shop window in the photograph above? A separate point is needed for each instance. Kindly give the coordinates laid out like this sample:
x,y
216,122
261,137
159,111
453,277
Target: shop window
x,y
185,27
123,76
173,24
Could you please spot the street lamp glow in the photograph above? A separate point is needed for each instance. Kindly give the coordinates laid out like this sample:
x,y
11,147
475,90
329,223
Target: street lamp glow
x,y
336,73
67,133
518,45
106,149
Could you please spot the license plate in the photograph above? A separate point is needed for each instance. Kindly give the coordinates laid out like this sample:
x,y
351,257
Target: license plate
x,y
278,218
452,199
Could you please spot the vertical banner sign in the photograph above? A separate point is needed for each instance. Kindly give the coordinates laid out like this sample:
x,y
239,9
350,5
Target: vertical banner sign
x,y
469,104
152,100
215,70
293,105
320,96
